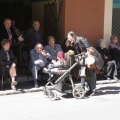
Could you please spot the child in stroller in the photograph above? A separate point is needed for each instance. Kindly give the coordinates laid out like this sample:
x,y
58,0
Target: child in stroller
x,y
63,61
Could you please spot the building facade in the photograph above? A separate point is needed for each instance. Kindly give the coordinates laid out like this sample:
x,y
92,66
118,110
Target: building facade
x,y
92,19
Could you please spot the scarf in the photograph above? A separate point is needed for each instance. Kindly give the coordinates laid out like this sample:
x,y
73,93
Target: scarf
x,y
115,46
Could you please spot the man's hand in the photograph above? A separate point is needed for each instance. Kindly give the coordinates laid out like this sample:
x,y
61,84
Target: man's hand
x,y
44,52
20,38
40,61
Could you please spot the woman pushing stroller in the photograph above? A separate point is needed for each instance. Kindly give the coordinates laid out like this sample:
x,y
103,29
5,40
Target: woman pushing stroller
x,y
81,44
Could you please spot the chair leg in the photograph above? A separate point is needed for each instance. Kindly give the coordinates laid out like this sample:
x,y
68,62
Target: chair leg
x,y
2,82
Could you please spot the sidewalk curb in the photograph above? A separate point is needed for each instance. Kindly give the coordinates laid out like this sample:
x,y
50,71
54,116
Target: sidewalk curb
x,y
19,91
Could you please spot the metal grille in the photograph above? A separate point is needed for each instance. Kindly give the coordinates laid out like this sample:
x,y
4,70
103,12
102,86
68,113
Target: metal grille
x,y
116,22
116,18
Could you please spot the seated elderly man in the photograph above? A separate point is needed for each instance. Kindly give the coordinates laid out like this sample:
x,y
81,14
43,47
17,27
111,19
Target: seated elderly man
x,y
38,61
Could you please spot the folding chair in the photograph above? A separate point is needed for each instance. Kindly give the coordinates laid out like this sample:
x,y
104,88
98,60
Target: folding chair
x,y
4,78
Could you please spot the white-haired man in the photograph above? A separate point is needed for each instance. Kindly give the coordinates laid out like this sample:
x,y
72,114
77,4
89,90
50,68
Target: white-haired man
x,y
38,61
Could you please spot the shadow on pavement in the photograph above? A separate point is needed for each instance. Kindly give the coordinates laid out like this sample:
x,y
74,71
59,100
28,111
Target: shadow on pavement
x,y
23,85
108,90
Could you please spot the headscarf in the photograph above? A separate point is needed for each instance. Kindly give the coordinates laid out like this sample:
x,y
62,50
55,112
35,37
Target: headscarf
x,y
60,54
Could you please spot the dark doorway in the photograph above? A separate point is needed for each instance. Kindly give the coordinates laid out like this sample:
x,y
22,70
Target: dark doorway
x,y
19,12
50,15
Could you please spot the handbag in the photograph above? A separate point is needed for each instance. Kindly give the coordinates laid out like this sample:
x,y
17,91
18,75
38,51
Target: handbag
x,y
82,71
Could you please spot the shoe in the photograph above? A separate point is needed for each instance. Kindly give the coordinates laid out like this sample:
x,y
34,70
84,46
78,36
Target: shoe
x,y
14,83
93,93
88,93
115,78
36,85
108,78
13,87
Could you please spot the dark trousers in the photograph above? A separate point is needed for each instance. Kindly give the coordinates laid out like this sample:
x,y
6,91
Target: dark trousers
x,y
91,79
111,68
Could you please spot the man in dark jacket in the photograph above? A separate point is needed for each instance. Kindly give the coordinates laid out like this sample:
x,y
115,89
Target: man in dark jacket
x,y
33,35
38,61
8,32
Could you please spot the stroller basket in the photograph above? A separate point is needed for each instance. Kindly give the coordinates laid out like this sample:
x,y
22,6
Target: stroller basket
x,y
67,72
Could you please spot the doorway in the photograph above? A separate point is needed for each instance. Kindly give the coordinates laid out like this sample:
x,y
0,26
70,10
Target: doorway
x,y
50,24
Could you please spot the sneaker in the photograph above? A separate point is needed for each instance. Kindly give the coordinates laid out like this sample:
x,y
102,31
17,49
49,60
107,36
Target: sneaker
x,y
87,93
36,85
108,78
13,87
115,78
93,93
14,83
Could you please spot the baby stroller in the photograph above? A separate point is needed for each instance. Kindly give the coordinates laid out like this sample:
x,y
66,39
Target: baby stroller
x,y
63,74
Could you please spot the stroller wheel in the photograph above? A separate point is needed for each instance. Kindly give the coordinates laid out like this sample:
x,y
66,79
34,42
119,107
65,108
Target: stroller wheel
x,y
52,96
78,92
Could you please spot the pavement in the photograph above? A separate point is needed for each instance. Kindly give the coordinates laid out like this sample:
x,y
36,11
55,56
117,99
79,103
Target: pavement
x,y
25,86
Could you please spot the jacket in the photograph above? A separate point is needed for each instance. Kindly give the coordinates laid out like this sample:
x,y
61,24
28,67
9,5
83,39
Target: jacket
x,y
35,56
4,62
29,38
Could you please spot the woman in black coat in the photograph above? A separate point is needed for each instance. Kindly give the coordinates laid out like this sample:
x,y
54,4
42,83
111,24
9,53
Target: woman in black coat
x,y
8,62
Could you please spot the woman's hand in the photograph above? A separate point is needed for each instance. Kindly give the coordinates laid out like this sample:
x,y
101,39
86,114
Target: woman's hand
x,y
70,43
105,57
